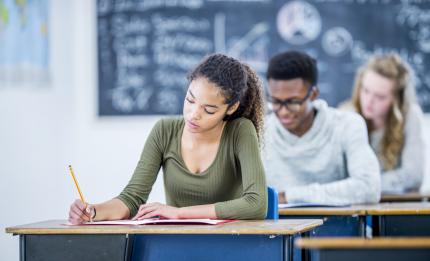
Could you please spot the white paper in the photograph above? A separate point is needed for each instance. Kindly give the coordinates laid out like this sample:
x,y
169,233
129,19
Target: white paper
x,y
302,205
158,221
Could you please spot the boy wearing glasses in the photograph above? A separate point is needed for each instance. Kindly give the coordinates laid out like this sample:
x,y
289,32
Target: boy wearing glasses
x,y
314,153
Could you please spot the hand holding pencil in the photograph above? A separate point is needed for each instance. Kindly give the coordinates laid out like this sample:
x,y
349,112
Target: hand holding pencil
x,y
80,211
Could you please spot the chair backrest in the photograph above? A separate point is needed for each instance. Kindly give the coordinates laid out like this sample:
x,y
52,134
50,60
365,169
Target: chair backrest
x,y
272,206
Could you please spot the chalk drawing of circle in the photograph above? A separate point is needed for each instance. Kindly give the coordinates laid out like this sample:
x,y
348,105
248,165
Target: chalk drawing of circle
x,y
298,22
337,41
424,46
423,38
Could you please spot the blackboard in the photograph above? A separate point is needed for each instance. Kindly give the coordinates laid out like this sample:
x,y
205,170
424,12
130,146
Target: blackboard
x,y
146,48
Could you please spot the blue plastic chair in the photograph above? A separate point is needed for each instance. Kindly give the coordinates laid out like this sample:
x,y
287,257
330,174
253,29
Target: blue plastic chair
x,y
272,206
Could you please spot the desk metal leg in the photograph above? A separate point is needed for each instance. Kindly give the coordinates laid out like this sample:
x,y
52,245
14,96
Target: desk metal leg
x,y
288,247
22,247
381,225
129,247
362,225
306,255
376,227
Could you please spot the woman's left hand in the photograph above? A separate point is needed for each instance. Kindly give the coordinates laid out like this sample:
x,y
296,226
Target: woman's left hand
x,y
282,199
151,210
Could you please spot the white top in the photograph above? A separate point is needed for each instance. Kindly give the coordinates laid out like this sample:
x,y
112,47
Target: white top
x,y
409,172
332,163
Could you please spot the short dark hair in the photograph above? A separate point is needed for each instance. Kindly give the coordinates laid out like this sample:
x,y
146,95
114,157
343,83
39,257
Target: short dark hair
x,y
293,64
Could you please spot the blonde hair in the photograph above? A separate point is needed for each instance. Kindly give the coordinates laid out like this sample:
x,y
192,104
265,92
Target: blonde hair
x,y
390,66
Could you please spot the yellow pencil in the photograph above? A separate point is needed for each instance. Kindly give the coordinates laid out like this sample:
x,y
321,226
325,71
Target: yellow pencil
x,y
77,185
79,189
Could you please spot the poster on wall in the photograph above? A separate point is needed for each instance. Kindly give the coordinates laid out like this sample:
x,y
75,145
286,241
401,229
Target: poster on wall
x,y
24,43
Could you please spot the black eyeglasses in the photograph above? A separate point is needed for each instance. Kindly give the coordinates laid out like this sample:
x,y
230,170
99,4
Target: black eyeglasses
x,y
292,105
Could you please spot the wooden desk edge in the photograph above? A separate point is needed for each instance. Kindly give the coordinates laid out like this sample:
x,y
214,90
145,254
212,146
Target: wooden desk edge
x,y
398,208
415,197
355,243
394,211
165,229
321,212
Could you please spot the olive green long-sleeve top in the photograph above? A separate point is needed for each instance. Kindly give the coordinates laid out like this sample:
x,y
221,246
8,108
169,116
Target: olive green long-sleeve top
x,y
234,182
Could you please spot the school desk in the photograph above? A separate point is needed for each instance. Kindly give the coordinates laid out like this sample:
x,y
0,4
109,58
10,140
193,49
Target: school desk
x,y
400,219
358,249
239,240
407,197
338,221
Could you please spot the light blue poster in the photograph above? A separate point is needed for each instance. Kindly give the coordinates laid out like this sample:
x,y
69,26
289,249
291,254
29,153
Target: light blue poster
x,y
24,43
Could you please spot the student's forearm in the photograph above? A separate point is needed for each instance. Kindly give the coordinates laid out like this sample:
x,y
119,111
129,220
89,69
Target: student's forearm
x,y
346,191
201,211
111,210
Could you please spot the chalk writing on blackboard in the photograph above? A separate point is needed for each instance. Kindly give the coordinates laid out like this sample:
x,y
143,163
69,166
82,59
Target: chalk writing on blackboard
x,y
147,48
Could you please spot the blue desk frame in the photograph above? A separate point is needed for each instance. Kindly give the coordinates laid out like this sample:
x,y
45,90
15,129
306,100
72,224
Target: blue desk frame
x,y
40,241
370,254
345,222
213,247
401,225
336,225
155,247
400,219
355,249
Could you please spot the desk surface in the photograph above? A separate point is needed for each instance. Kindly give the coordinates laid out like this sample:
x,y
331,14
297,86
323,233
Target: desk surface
x,y
412,196
385,242
324,211
399,208
394,208
254,227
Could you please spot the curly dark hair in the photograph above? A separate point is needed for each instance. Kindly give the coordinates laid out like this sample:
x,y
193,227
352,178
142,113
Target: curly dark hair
x,y
238,82
293,64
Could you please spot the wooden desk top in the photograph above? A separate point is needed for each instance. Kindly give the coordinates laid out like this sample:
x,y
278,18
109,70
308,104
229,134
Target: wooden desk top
x,y
393,208
254,227
399,208
382,242
412,196
359,210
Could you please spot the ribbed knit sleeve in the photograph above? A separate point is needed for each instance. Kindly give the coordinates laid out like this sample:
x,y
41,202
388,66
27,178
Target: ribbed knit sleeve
x,y
253,202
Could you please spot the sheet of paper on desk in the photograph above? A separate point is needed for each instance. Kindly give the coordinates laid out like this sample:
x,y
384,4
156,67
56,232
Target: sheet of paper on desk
x,y
310,205
394,192
155,221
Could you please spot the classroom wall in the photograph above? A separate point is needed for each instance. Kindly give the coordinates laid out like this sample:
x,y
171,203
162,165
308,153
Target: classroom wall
x,y
44,130
36,139
108,148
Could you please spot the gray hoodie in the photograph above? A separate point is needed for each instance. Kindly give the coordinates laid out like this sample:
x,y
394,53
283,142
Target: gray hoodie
x,y
332,163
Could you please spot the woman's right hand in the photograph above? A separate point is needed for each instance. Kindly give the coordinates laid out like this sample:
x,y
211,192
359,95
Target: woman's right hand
x,y
80,212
